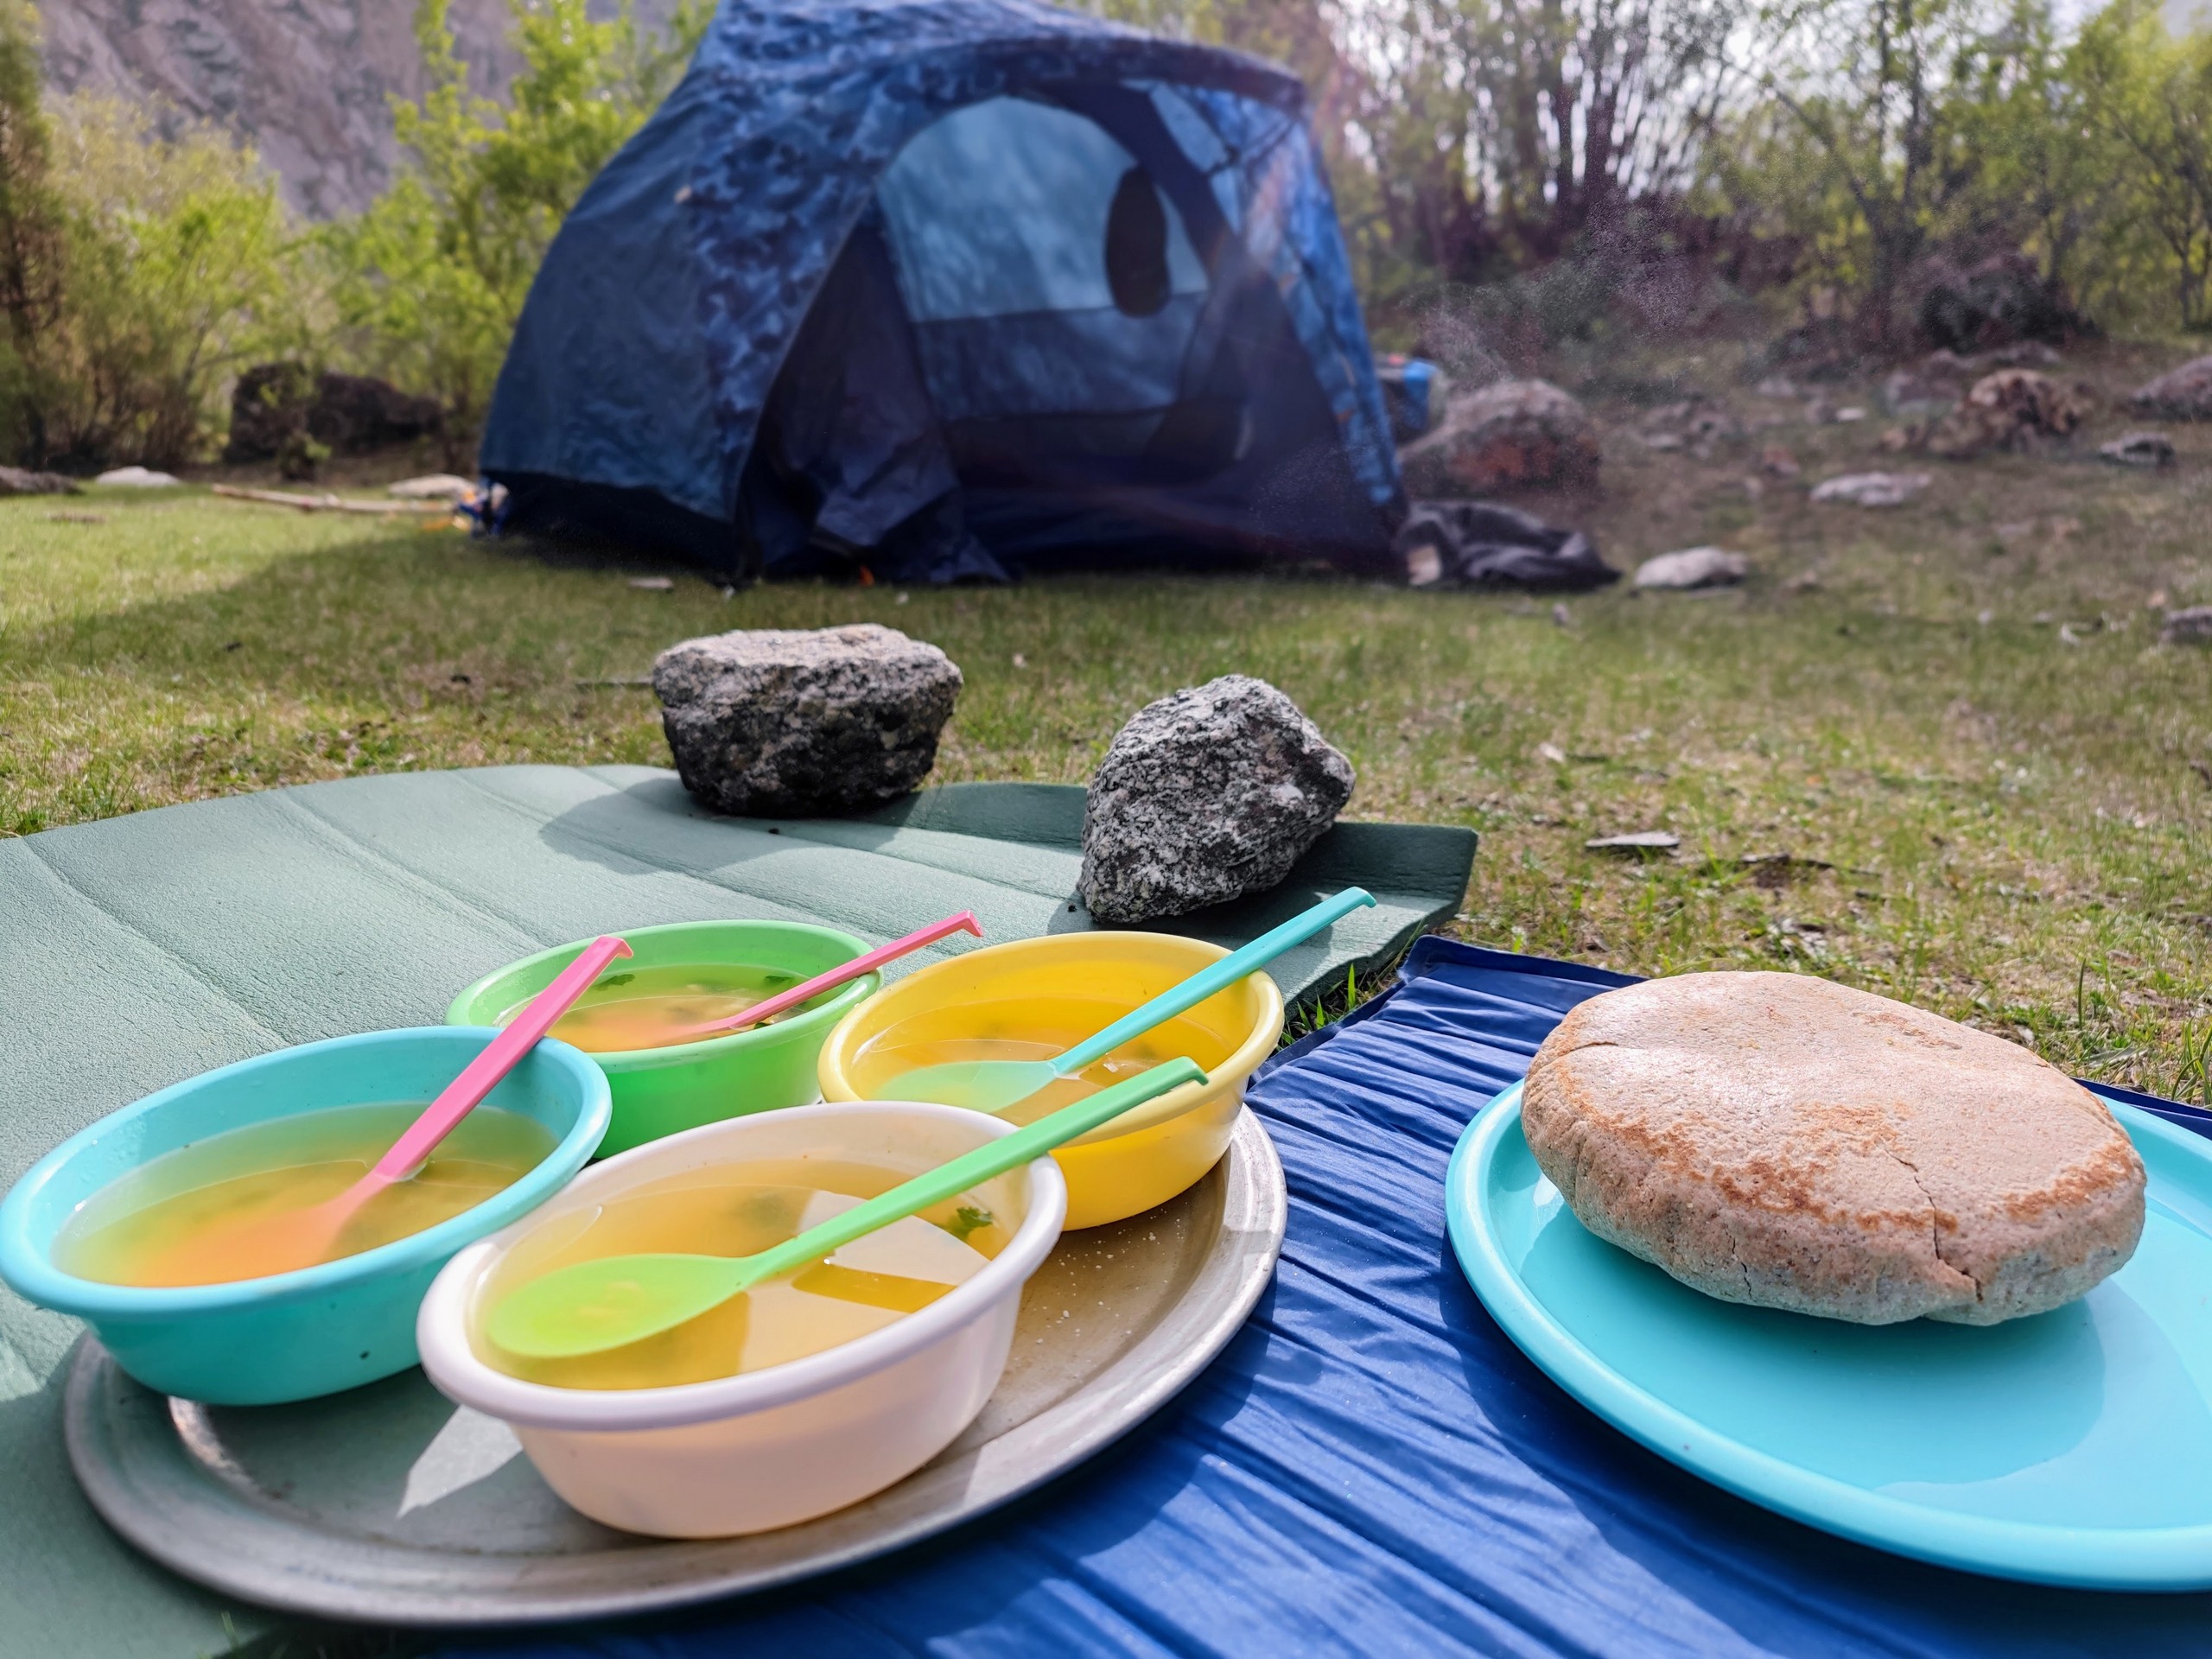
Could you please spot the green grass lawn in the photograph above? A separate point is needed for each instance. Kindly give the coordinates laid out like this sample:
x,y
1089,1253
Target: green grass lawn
x,y
1977,780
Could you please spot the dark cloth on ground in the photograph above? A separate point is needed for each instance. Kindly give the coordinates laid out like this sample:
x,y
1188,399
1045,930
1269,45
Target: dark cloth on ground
x,y
1481,544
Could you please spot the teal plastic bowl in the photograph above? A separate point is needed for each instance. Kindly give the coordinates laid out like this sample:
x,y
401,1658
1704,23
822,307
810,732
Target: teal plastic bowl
x,y
291,1336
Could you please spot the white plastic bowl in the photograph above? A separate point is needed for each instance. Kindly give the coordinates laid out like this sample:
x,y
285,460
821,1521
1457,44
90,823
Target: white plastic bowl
x,y
783,1445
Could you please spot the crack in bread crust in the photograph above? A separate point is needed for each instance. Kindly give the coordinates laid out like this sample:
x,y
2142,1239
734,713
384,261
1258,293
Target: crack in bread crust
x,y
1780,1140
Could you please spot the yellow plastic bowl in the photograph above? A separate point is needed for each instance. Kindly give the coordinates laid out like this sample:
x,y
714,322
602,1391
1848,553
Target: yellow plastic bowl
x,y
1058,990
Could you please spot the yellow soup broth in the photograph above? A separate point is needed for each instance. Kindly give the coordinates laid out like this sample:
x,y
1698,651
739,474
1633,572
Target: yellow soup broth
x,y
654,1007
1034,1031
236,1205
738,1210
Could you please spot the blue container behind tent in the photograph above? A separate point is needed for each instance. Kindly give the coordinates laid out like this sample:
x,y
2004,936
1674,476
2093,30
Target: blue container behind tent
x,y
1407,386
948,287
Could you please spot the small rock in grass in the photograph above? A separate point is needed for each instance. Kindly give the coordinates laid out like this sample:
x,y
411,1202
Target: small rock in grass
x,y
1640,841
139,478
786,721
1204,797
2138,449
432,486
18,480
1694,567
1872,489
1777,459
2190,628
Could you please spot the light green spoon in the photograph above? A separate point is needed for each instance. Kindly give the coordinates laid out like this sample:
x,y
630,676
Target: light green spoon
x,y
994,1085
592,1306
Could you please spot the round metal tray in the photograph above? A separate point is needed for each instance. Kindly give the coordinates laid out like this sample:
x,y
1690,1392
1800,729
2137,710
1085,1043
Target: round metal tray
x,y
390,1505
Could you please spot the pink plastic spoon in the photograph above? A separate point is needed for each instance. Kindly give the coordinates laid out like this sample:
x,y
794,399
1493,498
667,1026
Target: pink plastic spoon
x,y
301,1238
783,1002
481,1075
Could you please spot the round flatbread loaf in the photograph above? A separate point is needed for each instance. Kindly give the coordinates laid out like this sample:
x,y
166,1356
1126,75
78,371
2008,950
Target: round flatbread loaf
x,y
1778,1140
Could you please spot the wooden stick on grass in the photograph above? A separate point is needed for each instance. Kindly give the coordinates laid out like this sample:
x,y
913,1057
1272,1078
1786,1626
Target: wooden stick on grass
x,y
329,503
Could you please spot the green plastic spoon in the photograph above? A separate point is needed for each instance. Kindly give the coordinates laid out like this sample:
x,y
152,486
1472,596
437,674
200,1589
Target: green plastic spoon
x,y
592,1306
994,1085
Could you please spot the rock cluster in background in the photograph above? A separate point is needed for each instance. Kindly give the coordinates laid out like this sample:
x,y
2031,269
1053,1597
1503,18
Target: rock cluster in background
x,y
788,722
276,404
1204,797
18,480
1509,434
2013,409
2001,300
2182,394
1929,389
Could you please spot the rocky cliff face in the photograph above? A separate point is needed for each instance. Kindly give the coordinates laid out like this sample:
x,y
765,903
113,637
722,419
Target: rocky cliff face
x,y
308,82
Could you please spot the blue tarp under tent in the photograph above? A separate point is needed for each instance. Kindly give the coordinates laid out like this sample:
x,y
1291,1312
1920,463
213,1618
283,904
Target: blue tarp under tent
x,y
948,289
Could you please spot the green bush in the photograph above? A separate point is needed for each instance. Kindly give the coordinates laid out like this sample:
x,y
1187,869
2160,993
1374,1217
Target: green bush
x,y
137,271
429,280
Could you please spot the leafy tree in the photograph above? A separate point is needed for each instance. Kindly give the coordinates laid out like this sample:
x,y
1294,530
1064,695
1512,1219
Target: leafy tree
x,y
2043,173
181,268
432,277
136,269
31,236
1866,117
2152,97
1508,129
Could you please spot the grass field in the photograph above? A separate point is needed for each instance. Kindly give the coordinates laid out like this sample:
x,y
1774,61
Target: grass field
x,y
1974,778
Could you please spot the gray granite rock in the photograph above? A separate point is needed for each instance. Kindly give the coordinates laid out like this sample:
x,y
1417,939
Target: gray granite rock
x,y
2182,394
1694,567
1204,797
2192,626
794,722
1510,434
1872,489
18,480
2152,449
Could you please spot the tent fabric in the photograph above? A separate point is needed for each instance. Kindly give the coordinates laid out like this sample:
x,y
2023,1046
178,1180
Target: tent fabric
x,y
995,138
1372,1468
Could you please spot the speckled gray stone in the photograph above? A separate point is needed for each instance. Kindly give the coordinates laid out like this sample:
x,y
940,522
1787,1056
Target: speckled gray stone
x,y
795,721
1205,796
2192,626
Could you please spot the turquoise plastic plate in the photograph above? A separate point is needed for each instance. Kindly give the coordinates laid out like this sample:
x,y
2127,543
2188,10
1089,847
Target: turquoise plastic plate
x,y
2075,1448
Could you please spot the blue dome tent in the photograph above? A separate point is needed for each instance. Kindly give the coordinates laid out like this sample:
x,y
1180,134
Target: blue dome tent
x,y
947,288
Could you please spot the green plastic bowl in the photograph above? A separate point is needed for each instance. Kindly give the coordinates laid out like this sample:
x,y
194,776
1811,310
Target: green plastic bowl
x,y
660,1092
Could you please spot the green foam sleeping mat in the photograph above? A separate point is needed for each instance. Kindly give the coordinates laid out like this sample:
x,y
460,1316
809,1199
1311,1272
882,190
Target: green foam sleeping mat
x,y
143,949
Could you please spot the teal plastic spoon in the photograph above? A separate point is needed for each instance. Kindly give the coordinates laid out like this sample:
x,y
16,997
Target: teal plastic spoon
x,y
994,1085
591,1306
